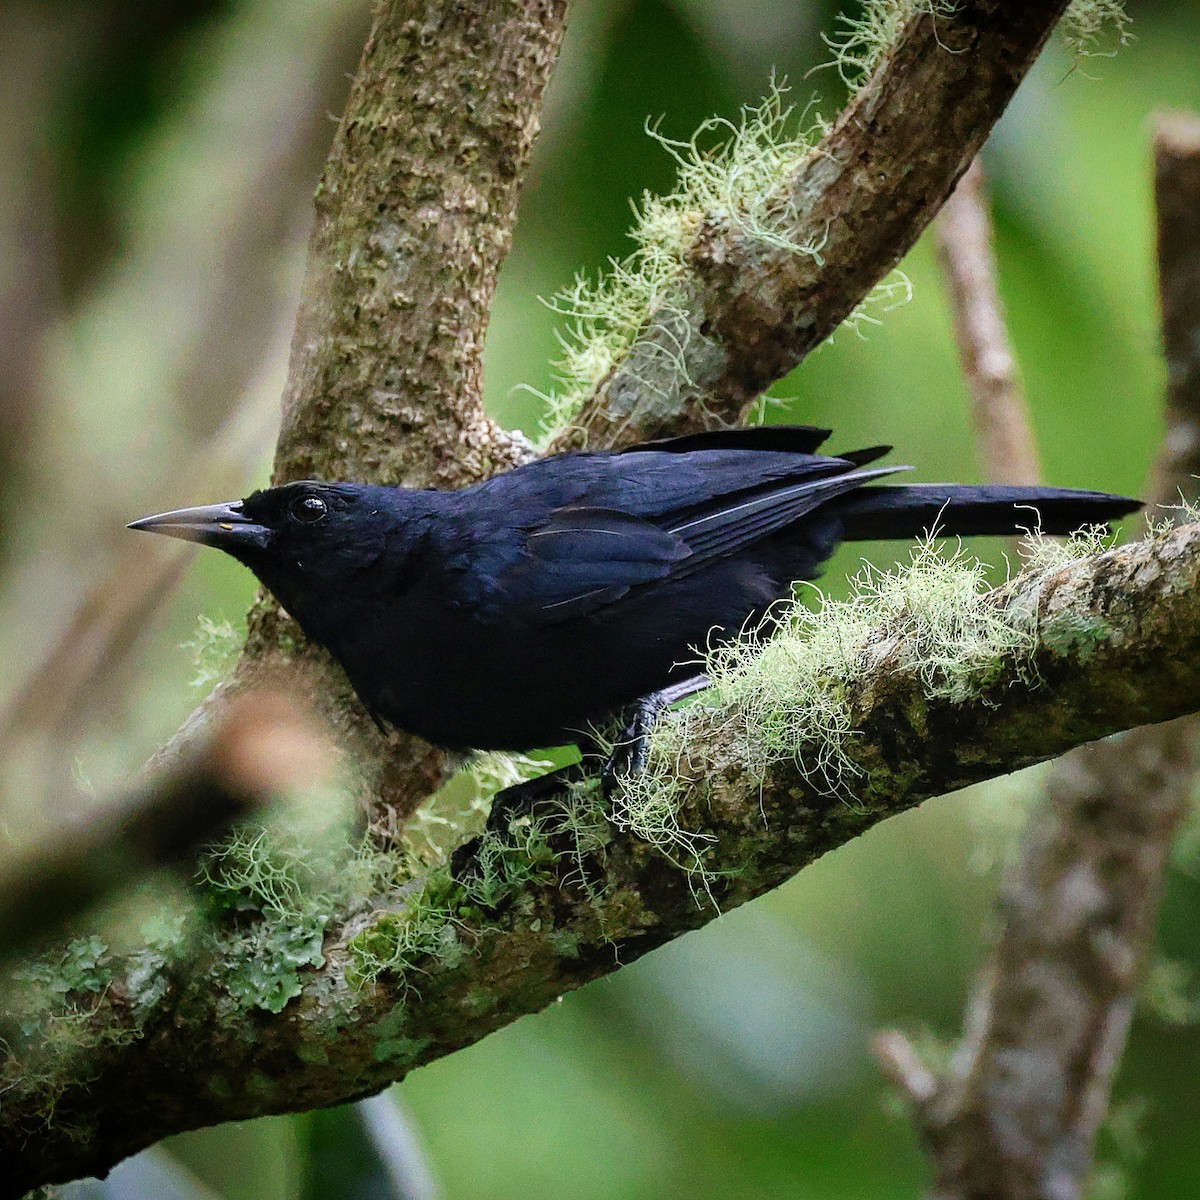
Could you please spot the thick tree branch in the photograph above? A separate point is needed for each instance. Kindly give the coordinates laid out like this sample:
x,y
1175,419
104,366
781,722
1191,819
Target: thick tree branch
x,y
1018,1115
1115,642
751,311
414,216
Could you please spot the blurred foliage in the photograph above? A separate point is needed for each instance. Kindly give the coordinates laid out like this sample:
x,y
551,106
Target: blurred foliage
x,y
734,1062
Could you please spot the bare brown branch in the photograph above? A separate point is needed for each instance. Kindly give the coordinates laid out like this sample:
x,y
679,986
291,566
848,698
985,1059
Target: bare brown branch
x,y
1007,447
1018,1117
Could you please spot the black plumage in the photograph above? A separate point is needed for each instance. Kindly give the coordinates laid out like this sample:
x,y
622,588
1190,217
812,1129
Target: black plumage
x,y
511,614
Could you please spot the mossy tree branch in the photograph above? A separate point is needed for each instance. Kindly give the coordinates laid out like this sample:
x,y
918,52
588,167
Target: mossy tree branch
x,y
1115,642
749,312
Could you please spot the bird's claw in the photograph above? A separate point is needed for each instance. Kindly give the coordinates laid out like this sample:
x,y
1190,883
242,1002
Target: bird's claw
x,y
518,800
632,747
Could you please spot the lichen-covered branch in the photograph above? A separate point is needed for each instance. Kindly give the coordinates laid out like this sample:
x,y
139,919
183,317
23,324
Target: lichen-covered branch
x,y
751,307
414,973
1007,447
1016,1117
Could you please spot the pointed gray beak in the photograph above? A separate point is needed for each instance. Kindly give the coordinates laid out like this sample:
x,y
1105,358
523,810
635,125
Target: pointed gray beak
x,y
221,525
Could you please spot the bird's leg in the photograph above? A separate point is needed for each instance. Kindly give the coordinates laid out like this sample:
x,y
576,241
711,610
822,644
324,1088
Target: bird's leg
x,y
633,742
628,757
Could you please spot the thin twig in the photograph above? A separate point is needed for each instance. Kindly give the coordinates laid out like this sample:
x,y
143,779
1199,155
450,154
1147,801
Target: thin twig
x,y
1004,436
904,1066
392,1130
112,618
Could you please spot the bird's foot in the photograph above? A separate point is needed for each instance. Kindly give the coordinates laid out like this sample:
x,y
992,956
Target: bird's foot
x,y
509,804
629,754
628,757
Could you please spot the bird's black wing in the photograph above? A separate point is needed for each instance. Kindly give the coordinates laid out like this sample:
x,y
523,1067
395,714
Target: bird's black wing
x,y
584,557
729,523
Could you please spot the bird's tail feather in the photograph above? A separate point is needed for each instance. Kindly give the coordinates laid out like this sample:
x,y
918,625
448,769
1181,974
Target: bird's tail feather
x,y
949,509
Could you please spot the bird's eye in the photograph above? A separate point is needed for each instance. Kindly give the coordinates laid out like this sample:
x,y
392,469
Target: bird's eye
x,y
309,509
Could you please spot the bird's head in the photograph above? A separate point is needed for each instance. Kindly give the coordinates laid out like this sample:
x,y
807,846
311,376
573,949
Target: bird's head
x,y
306,541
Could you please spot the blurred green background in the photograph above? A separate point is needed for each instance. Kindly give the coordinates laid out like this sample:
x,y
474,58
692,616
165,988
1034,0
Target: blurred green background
x,y
159,163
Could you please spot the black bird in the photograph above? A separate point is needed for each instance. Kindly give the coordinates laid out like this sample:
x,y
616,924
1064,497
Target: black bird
x,y
511,614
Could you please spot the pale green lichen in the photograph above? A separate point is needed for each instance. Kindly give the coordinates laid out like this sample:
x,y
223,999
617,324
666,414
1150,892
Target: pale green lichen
x,y
1064,632
1075,636
785,694
931,618
424,921
214,648
1087,23
863,37
49,1008
260,910
1040,553
284,886
430,911
1165,518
